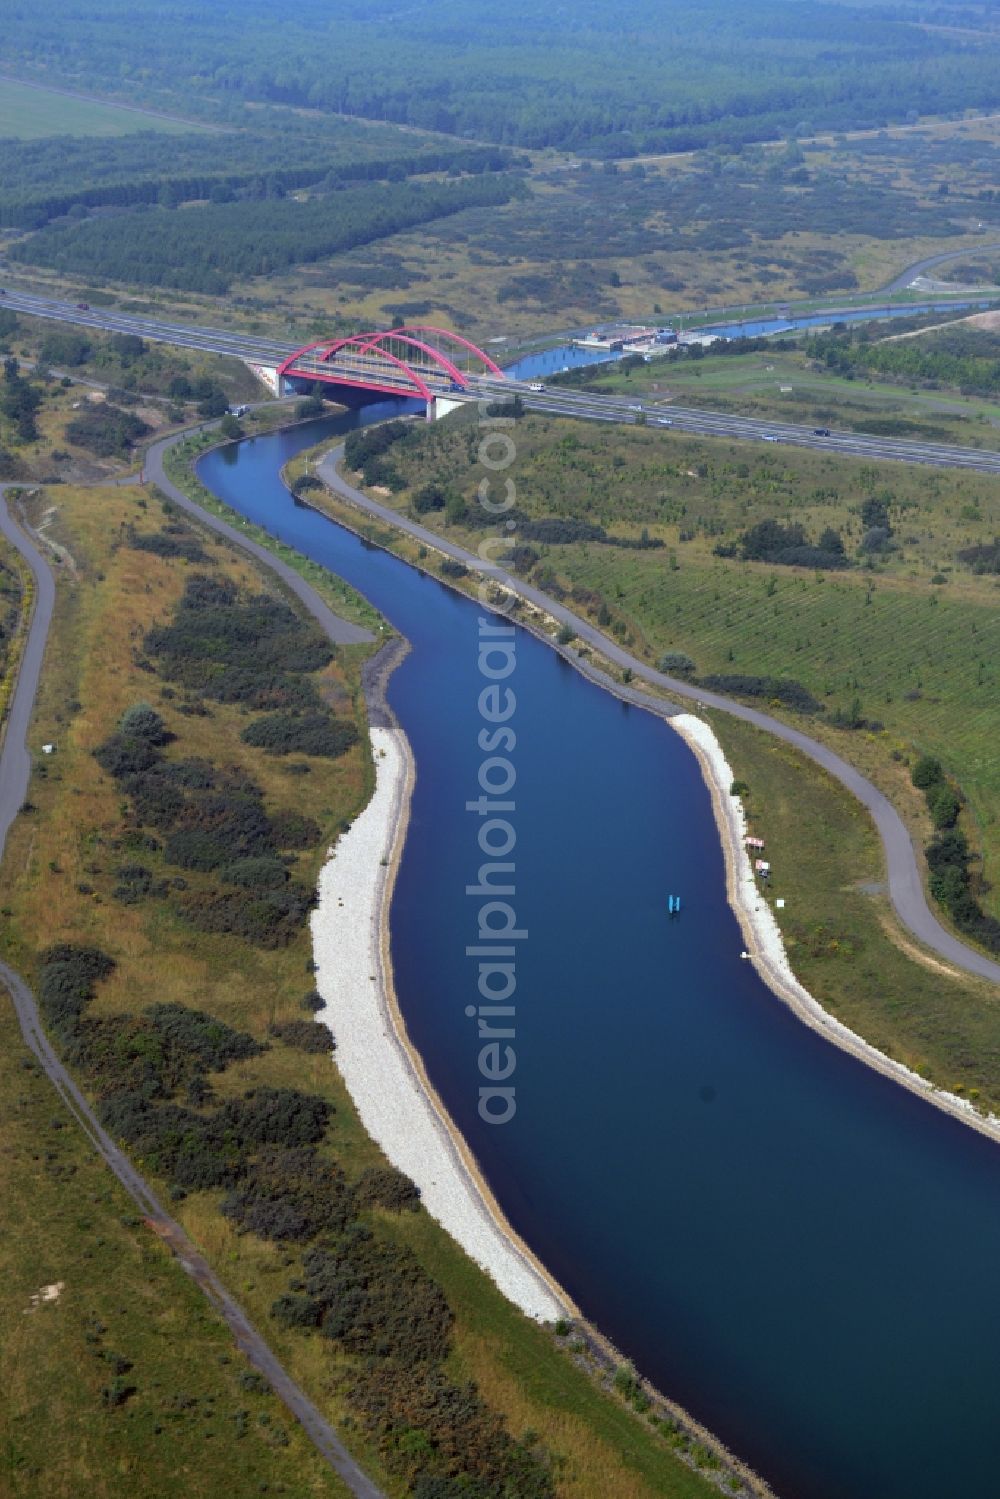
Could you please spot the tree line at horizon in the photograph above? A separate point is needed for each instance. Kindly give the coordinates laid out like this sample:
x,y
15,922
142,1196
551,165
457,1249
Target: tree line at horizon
x,y
643,76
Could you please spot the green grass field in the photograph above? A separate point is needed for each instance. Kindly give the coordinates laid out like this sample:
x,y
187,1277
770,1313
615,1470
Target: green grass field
x,y
191,1424
28,111
785,386
827,865
915,637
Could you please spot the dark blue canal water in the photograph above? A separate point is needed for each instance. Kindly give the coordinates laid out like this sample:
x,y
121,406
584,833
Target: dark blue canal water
x,y
805,1255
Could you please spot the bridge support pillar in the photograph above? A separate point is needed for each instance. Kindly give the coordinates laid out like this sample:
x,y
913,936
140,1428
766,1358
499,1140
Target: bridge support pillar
x,y
440,406
267,375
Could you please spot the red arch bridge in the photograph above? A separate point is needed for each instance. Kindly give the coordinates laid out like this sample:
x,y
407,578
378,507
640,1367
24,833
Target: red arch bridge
x,y
429,364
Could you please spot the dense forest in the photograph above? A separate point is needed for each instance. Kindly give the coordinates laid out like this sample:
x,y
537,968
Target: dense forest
x,y
642,75
44,179
206,249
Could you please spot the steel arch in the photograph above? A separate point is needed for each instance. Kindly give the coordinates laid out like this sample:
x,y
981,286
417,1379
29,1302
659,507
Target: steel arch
x,y
375,344
358,343
472,348
402,336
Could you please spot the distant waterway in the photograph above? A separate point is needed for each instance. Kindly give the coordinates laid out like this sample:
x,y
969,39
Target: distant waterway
x,y
571,356
802,1253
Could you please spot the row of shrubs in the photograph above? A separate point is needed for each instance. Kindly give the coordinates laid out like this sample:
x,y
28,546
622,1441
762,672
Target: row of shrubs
x,y
787,546
174,540
362,1291
949,857
785,690
266,1151
165,1048
984,558
213,822
252,650
548,530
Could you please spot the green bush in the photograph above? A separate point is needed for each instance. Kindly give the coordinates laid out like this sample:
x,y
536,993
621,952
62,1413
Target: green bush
x,y
123,755
943,805
289,1194
304,734
677,664
375,1299
106,430
927,772
304,1035
367,443
172,541
269,918
385,1187
788,692
432,496
261,873
307,482
68,977
295,831
143,722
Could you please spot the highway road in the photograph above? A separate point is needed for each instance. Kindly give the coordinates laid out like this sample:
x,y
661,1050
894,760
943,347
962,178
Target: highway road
x,y
718,424
903,861
15,771
246,346
557,401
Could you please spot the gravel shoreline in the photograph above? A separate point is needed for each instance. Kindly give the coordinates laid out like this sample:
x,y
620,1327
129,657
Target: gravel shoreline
x,y
765,947
383,1073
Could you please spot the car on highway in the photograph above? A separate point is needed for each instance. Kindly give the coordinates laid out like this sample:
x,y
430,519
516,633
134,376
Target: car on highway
x,y
768,437
662,421
635,407
822,432
83,306
536,386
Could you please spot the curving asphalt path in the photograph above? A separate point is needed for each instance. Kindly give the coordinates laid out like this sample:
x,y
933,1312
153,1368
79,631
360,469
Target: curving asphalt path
x,y
902,281
340,631
906,889
15,772
15,759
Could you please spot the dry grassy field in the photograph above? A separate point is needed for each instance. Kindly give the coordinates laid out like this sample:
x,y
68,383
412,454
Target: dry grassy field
x,y
57,882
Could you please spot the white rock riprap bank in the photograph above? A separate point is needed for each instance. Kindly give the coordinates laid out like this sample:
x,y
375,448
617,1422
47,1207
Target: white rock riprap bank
x,y
383,1074
762,935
